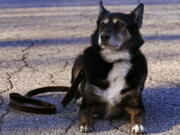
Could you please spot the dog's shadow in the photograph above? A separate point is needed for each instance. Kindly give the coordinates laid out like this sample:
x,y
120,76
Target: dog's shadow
x,y
162,105
162,108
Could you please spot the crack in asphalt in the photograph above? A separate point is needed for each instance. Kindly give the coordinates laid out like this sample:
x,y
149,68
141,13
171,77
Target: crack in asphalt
x,y
6,111
10,83
51,75
65,66
2,118
24,60
70,125
47,54
28,47
3,100
24,57
62,70
117,128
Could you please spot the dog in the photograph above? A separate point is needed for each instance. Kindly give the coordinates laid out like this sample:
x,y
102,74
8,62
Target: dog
x,y
114,69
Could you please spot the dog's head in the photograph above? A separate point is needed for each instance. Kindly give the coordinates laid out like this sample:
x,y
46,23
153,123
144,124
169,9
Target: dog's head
x,y
118,30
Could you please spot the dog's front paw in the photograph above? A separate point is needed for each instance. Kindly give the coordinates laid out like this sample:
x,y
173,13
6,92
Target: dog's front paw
x,y
138,129
83,128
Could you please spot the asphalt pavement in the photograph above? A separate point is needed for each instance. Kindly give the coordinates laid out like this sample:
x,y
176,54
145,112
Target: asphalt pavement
x,y
39,41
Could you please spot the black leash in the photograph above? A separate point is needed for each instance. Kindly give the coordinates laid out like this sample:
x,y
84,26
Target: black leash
x,y
28,104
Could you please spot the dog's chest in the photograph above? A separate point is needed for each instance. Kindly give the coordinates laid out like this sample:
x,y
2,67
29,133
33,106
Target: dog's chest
x,y
117,82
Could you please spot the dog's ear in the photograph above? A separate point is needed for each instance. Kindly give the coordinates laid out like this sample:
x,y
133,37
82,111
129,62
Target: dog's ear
x,y
102,12
138,15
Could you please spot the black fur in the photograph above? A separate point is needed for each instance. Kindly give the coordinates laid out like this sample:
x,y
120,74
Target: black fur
x,y
96,70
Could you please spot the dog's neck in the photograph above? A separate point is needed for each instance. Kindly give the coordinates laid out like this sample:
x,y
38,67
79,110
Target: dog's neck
x,y
112,56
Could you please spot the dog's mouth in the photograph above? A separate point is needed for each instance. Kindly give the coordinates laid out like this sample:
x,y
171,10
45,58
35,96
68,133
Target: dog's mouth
x,y
109,45
109,42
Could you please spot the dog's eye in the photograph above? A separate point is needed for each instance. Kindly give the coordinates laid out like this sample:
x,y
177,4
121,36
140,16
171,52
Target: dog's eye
x,y
102,24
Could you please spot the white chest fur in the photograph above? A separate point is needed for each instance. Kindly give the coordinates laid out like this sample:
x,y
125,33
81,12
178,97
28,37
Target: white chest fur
x,y
116,78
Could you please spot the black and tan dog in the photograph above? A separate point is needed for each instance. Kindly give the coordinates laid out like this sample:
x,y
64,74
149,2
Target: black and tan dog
x,y
115,70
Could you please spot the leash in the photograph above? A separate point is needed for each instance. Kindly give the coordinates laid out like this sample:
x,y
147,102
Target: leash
x,y
28,104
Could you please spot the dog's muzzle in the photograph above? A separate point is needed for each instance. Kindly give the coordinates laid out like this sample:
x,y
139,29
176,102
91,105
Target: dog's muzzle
x,y
105,37
108,40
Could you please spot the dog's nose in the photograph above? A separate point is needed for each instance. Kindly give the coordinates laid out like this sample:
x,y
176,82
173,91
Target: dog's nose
x,y
105,36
